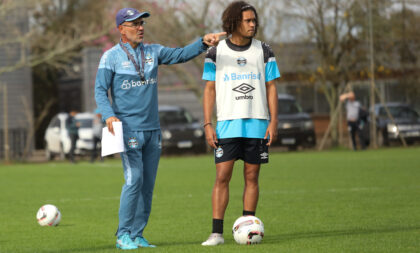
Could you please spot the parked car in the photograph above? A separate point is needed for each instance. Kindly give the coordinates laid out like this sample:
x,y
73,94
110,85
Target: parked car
x,y
180,131
295,127
57,140
407,123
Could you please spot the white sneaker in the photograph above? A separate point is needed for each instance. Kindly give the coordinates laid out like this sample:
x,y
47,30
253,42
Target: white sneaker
x,y
214,239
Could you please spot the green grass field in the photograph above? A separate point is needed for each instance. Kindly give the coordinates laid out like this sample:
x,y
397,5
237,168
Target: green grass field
x,y
334,201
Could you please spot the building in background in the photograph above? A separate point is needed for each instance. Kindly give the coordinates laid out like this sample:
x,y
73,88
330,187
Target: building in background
x,y
90,62
16,104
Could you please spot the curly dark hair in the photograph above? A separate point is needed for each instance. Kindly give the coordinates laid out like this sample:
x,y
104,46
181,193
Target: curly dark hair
x,y
232,16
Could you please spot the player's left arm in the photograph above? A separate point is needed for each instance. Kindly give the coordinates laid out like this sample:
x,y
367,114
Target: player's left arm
x,y
272,101
271,73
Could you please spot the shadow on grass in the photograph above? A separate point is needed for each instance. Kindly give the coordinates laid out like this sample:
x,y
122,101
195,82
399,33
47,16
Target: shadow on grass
x,y
178,243
111,247
273,239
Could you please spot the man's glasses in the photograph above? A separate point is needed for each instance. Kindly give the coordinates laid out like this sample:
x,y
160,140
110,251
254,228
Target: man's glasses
x,y
136,24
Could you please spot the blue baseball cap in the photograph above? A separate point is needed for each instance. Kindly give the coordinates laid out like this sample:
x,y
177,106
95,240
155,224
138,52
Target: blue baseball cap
x,y
129,14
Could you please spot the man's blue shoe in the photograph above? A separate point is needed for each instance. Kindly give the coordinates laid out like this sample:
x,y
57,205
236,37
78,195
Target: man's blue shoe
x,y
143,243
125,242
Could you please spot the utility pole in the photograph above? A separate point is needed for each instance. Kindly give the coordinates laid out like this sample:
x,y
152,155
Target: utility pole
x,y
372,82
5,126
405,51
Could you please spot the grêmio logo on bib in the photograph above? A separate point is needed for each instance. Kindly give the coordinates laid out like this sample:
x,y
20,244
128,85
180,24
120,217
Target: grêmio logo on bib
x,y
242,76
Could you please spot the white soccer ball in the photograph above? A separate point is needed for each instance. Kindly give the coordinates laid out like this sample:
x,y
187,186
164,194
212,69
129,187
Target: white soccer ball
x,y
248,230
48,215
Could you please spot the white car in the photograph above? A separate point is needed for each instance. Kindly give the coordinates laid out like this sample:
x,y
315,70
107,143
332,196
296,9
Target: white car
x,y
57,139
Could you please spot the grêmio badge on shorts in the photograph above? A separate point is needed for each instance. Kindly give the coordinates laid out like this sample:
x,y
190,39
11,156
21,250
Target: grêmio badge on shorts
x,y
133,143
218,152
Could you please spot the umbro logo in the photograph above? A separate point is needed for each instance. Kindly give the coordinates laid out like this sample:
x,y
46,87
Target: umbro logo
x,y
243,88
264,156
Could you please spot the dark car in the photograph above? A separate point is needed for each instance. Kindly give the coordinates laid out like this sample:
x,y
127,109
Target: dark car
x,y
407,123
295,127
180,131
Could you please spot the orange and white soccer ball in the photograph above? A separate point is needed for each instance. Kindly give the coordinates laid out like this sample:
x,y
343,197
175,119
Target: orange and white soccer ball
x,y
248,230
48,215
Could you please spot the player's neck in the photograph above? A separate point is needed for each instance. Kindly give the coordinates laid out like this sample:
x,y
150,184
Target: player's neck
x,y
240,40
132,44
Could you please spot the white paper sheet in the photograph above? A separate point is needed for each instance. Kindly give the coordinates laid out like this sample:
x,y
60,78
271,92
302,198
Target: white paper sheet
x,y
110,143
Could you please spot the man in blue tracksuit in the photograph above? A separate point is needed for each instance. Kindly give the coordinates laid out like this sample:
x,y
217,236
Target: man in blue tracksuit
x,y
129,71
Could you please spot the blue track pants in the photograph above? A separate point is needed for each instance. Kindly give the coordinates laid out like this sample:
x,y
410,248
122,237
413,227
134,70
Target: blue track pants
x,y
140,163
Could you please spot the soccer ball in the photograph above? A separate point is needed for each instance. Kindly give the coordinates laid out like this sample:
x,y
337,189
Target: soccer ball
x,y
248,230
48,215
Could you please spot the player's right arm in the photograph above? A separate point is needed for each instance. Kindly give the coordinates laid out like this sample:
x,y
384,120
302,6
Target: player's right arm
x,y
103,83
208,105
179,55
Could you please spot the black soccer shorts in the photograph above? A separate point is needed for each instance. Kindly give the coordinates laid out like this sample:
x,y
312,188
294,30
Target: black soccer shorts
x,y
250,150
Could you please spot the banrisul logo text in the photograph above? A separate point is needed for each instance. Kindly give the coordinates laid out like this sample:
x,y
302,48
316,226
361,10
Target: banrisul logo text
x,y
242,76
126,85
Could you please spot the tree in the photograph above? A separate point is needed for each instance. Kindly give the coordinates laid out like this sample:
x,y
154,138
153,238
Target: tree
x,y
338,29
405,27
52,38
69,25
56,31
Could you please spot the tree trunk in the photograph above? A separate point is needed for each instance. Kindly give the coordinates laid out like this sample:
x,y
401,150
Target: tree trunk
x,y
334,118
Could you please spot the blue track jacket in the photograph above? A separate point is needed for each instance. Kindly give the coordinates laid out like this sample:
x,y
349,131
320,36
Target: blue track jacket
x,y
135,102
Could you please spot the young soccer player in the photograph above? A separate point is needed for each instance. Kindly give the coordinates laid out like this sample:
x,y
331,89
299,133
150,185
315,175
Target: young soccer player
x,y
240,74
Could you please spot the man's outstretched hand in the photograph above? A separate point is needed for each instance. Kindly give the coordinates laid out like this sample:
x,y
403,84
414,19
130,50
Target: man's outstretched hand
x,y
212,39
